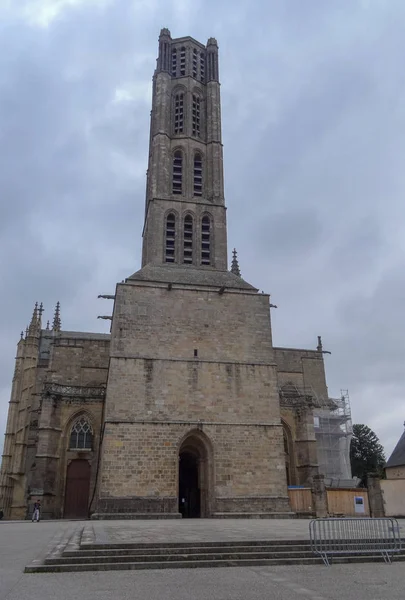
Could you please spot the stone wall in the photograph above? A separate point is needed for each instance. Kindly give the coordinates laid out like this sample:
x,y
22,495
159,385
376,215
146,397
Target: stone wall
x,y
304,368
395,472
186,358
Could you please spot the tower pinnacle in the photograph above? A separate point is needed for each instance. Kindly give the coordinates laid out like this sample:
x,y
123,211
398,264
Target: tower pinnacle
x,y
235,265
33,326
40,311
56,325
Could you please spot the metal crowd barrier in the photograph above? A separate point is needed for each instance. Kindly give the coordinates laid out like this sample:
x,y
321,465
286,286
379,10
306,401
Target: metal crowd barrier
x,y
333,537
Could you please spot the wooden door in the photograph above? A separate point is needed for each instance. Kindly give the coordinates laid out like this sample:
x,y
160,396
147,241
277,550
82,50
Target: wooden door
x,y
77,490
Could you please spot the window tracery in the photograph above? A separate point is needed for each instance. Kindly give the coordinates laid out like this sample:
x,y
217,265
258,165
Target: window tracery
x,y
81,435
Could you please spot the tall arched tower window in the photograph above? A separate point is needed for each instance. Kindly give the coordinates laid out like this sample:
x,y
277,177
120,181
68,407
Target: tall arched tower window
x,y
196,115
206,240
177,174
174,62
195,62
182,61
170,238
197,175
179,113
188,240
81,435
202,67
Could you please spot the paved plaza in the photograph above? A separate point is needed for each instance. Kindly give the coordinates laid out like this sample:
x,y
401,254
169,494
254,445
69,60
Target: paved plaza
x,y
21,542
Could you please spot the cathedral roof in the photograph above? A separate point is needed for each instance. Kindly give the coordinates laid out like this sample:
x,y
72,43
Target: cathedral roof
x,y
189,276
397,458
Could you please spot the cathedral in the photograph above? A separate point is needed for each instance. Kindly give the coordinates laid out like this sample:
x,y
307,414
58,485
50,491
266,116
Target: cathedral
x,y
186,409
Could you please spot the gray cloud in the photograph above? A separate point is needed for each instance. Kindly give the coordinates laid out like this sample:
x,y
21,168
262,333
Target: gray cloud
x,y
313,114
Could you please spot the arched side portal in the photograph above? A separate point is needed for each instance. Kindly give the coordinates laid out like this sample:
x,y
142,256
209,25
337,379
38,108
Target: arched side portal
x,y
195,475
289,454
77,489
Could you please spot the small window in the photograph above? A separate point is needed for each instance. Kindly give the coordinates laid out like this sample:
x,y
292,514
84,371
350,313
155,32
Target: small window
x,y
196,116
316,422
197,174
178,172
170,238
182,61
195,63
188,240
81,436
202,67
174,62
179,113
206,241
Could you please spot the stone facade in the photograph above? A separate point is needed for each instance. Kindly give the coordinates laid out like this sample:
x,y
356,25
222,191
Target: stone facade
x,y
59,377
186,409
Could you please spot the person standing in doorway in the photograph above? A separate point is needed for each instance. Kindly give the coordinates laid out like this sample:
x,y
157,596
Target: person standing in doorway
x,y
36,513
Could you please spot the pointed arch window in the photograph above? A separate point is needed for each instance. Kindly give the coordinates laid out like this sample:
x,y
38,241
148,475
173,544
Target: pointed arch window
x,y
197,175
170,238
206,241
177,174
188,240
81,435
179,113
182,61
174,62
202,67
196,115
195,63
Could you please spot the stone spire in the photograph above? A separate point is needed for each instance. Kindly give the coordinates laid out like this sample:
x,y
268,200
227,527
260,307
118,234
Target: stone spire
x,y
235,265
33,326
57,324
319,347
47,325
40,311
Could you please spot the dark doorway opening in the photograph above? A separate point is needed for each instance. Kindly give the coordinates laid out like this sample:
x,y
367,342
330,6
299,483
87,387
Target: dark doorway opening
x,y
189,488
77,490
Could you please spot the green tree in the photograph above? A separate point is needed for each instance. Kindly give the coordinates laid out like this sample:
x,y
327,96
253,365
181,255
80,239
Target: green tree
x,y
366,453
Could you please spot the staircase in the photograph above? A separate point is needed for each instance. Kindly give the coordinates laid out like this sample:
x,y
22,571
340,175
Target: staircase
x,y
106,557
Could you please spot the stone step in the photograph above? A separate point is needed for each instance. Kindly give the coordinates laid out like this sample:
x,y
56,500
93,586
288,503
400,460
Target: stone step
x,y
163,550
233,543
186,564
79,559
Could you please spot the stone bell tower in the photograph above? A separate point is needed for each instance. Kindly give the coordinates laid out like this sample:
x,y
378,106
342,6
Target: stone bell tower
x,y
192,415
185,180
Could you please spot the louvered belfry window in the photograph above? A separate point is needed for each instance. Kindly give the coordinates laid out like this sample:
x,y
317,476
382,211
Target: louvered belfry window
x,y
170,238
195,63
202,67
197,174
179,113
177,174
196,116
174,62
182,62
188,240
206,241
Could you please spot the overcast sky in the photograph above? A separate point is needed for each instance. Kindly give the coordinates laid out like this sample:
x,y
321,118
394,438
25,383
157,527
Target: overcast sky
x,y
313,103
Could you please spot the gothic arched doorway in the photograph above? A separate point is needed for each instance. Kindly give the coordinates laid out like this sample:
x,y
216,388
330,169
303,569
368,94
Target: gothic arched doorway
x,y
195,464
77,490
288,454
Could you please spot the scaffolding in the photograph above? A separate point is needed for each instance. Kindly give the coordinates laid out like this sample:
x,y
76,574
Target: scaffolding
x,y
333,432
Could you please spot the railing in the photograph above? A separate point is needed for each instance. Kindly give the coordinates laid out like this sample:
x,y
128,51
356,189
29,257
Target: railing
x,y
334,537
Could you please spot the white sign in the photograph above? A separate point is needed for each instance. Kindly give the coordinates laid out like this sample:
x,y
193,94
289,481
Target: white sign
x,y
359,507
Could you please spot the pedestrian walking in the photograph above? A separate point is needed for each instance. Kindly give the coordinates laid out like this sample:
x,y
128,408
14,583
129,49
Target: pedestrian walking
x,y
36,513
